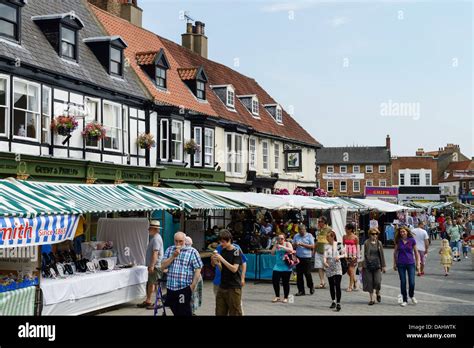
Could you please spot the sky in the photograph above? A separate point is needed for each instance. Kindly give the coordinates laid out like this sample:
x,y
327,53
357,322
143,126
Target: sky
x,y
350,72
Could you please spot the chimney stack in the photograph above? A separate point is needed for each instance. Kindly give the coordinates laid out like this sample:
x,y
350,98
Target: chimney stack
x,y
420,152
195,38
387,142
126,9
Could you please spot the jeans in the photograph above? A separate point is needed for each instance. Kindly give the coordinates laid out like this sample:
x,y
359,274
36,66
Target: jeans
x,y
456,244
303,269
402,271
285,277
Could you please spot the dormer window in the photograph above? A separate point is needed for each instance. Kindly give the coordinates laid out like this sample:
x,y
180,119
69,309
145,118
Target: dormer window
x,y
276,111
195,79
116,61
155,64
255,106
201,90
230,97
61,31
279,114
109,52
68,43
10,19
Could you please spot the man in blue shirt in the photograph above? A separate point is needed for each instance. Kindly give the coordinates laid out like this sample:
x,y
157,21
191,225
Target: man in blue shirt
x,y
303,242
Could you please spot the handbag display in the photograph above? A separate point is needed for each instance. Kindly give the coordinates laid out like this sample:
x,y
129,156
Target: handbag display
x,y
104,265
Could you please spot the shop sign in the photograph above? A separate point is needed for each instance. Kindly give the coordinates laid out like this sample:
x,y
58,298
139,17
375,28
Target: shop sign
x,y
381,191
419,197
49,170
192,174
343,176
37,231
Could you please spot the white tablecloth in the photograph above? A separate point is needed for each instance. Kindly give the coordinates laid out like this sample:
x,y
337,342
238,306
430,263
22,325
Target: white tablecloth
x,y
83,285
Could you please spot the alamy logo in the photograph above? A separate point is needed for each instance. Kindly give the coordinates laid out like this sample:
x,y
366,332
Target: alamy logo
x,y
396,109
37,331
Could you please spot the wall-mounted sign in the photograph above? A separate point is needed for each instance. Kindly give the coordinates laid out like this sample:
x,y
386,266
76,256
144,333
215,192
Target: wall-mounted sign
x,y
192,174
381,191
343,176
419,197
293,160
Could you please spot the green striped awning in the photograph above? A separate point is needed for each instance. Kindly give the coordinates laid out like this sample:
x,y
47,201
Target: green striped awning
x,y
342,202
195,199
104,198
17,199
179,185
18,302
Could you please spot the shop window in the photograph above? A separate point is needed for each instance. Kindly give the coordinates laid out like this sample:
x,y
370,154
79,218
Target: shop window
x,y
113,125
4,102
26,109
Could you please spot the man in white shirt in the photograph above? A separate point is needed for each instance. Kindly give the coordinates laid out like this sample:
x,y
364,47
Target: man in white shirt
x,y
432,225
422,243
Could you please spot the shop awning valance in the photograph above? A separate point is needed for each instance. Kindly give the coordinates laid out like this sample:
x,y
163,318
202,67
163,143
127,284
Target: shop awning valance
x,y
104,198
217,188
195,199
179,185
343,202
19,200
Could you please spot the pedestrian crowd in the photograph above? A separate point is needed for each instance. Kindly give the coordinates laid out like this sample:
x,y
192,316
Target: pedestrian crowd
x,y
181,264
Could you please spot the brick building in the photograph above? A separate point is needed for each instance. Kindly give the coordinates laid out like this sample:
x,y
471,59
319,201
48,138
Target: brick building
x,y
347,171
419,170
457,183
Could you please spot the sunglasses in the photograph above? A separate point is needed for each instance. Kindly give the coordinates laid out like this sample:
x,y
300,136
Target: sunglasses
x,y
374,234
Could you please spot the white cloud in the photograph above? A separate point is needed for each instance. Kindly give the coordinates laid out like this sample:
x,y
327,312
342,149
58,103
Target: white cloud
x,y
338,21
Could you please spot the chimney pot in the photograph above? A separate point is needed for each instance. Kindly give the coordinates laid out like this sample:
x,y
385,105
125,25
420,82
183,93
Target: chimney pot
x,y
387,142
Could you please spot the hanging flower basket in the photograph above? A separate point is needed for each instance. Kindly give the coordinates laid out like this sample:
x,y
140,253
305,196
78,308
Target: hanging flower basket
x,y
300,192
94,131
146,141
191,147
283,191
319,192
64,125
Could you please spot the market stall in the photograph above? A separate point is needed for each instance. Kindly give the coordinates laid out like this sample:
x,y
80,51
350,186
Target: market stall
x,y
28,218
74,284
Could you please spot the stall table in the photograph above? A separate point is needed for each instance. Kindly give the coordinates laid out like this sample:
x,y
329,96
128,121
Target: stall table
x,y
89,292
260,265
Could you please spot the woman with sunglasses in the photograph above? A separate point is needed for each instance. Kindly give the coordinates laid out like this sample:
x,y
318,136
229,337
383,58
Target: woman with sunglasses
x,y
281,270
405,260
373,266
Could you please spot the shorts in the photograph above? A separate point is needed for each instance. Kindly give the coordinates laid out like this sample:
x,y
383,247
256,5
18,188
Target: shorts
x,y
154,276
318,260
422,257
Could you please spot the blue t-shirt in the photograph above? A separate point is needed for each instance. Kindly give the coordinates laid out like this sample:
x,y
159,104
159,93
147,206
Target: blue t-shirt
x,y
306,239
217,275
280,264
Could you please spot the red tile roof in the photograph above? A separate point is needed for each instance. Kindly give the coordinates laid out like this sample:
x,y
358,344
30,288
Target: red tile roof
x,y
461,165
146,58
183,63
187,73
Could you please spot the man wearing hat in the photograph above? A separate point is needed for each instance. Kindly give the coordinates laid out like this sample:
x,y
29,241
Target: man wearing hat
x,y
154,255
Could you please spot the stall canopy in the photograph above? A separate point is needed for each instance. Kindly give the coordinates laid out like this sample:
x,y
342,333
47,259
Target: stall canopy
x,y
104,198
274,202
381,206
19,200
194,199
347,203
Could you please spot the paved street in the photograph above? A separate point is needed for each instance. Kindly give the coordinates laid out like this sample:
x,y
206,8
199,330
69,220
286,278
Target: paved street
x,y
436,294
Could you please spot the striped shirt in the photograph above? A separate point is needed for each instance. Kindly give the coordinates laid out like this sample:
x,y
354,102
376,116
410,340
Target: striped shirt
x,y
181,270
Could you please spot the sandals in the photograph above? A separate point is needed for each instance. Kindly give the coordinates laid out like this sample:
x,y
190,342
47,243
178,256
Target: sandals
x,y
349,289
276,299
322,286
144,304
285,300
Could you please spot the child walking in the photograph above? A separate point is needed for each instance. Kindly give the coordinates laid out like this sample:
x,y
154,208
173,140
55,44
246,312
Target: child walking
x,y
446,256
